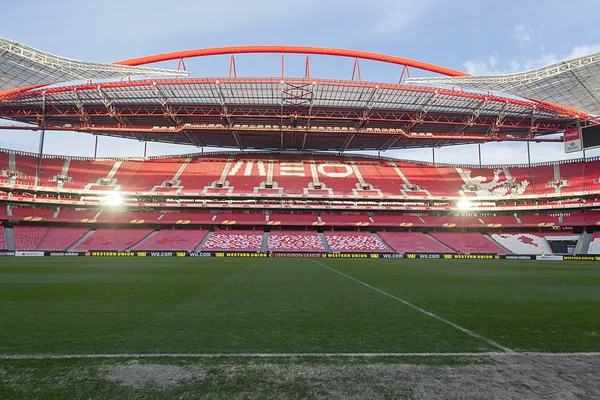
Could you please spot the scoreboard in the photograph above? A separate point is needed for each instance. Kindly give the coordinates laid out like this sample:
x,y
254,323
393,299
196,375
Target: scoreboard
x,y
582,138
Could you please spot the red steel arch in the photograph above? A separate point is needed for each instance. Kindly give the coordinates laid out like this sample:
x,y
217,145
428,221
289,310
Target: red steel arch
x,y
214,51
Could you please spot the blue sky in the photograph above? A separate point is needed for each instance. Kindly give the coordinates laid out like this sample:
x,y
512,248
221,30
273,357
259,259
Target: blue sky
x,y
476,36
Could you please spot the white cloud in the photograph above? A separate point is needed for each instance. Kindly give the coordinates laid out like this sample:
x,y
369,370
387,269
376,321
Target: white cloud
x,y
523,34
491,66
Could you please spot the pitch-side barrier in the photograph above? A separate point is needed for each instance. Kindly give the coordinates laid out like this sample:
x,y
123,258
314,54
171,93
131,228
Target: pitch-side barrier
x,y
238,254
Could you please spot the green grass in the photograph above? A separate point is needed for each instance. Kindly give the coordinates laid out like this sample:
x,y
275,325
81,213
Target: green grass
x,y
244,305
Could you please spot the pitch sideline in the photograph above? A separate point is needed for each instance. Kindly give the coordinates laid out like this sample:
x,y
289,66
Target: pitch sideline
x,y
288,355
422,310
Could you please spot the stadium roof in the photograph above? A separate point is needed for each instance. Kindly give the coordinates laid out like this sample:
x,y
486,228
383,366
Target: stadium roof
x,y
23,66
572,83
275,113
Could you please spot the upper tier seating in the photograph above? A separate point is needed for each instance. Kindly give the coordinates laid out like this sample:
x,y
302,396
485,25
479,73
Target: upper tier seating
x,y
112,239
413,242
128,217
344,219
169,239
234,241
523,243
468,242
502,220
536,220
595,244
363,242
241,218
295,241
45,238
22,212
398,220
296,175
68,215
2,239
294,219
186,217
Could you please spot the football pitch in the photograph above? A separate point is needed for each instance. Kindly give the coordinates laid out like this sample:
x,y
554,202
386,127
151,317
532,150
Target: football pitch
x,y
61,316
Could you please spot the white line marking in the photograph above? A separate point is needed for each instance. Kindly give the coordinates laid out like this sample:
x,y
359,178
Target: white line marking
x,y
429,313
287,355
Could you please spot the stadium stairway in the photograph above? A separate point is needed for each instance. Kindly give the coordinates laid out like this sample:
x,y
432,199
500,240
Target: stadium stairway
x,y
497,244
143,240
265,242
324,240
583,245
383,242
203,242
81,239
9,235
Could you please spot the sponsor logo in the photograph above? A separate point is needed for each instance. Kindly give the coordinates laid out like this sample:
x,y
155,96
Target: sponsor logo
x,y
470,256
429,256
386,255
581,258
518,257
549,258
348,255
114,254
29,253
196,254
7,253
298,255
161,254
63,254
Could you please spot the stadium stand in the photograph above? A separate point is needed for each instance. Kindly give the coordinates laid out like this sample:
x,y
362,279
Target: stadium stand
x,y
240,218
293,174
112,239
452,221
344,219
354,241
240,240
594,247
128,217
523,243
67,215
468,242
409,242
294,219
46,238
187,217
23,212
536,220
589,218
169,239
295,241
502,220
3,245
398,220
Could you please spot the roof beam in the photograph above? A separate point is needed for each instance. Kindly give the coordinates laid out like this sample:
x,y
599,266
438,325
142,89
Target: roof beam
x,y
460,129
347,142
369,103
425,108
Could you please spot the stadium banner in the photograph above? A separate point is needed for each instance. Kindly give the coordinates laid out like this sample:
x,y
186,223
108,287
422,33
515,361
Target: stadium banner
x,y
549,258
199,254
7,253
20,253
572,139
240,254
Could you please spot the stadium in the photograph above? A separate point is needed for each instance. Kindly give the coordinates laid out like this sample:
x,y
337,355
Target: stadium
x,y
295,168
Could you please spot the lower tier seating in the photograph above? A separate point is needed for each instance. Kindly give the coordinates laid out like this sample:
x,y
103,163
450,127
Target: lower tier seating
x,y
2,239
169,239
523,243
112,239
594,245
468,242
295,241
234,241
413,242
354,241
46,238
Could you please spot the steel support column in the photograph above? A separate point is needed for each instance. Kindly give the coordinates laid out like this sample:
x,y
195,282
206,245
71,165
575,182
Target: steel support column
x,y
41,146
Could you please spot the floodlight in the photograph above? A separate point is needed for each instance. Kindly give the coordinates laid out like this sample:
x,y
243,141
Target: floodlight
x,y
463,204
113,199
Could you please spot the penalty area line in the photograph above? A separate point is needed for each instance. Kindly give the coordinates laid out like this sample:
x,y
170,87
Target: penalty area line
x,y
421,310
287,355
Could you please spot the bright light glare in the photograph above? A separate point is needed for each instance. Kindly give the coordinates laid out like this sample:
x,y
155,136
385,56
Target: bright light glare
x,y
113,199
463,204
